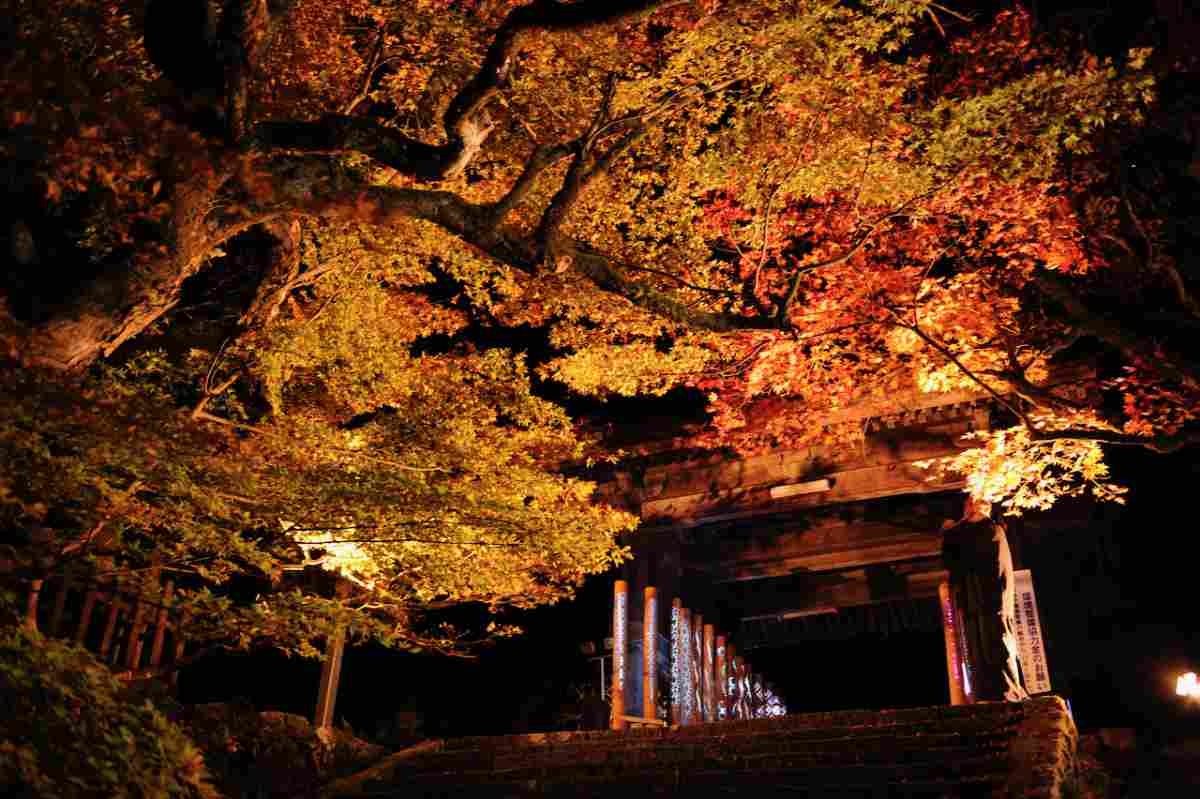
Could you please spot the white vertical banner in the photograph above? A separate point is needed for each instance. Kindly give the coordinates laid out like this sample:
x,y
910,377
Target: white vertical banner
x,y
1029,636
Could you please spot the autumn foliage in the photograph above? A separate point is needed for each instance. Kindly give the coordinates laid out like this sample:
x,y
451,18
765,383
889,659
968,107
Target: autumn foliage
x,y
333,307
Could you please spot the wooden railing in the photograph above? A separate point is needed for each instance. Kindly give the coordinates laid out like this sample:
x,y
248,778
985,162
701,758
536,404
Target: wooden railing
x,y
708,681
139,636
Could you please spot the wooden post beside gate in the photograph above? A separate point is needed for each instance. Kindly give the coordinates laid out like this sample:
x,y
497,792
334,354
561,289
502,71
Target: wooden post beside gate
x,y
650,654
710,705
954,671
331,672
620,620
721,678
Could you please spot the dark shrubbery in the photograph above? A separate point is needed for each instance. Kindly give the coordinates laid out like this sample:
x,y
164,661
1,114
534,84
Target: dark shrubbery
x,y
68,730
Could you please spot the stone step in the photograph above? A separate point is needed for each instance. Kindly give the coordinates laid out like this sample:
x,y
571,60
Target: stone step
x,y
937,789
841,749
730,731
978,777
1004,750
908,735
941,717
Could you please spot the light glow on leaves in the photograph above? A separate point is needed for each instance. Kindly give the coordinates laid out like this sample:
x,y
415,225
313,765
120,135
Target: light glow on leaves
x,y
1017,473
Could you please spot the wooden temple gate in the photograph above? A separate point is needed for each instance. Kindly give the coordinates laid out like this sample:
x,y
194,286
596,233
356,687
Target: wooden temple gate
x,y
787,536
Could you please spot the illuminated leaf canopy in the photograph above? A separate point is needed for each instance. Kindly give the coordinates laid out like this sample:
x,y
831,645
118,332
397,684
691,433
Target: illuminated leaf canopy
x,y
331,272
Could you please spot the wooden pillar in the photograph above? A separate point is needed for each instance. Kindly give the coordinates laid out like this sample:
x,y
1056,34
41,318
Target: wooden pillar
x,y
710,643
720,678
650,653
950,634
735,681
688,694
749,691
685,667
735,666
965,661
731,682
743,689
751,701
677,661
697,660
331,673
620,652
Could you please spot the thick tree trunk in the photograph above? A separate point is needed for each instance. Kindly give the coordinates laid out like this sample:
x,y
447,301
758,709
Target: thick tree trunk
x,y
280,277
122,303
976,553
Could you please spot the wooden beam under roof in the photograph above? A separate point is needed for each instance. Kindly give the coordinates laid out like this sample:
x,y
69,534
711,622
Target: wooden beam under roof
x,y
849,485
821,541
721,473
889,545
807,594
717,487
911,615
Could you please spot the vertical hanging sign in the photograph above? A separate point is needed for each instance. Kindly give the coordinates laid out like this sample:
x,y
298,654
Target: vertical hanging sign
x,y
1030,645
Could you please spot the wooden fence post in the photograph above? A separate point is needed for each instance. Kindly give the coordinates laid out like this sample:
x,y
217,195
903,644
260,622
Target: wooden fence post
x,y
677,662
620,619
133,649
60,605
950,637
685,670
160,624
731,687
743,689
110,624
179,645
650,653
85,616
331,673
710,642
31,604
697,659
720,676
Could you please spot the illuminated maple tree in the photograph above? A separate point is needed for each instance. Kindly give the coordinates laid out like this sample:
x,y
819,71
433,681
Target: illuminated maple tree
x,y
332,238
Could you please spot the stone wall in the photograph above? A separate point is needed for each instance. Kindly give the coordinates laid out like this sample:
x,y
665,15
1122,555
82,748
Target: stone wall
x,y
986,750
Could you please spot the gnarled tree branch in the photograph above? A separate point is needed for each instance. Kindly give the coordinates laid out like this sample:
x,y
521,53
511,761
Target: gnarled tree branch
x,y
465,123
1164,444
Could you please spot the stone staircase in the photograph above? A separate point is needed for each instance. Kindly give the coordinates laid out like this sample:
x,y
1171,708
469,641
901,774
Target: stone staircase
x,y
987,750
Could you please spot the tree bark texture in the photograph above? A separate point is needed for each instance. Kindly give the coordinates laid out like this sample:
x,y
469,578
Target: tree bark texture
x,y
976,553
